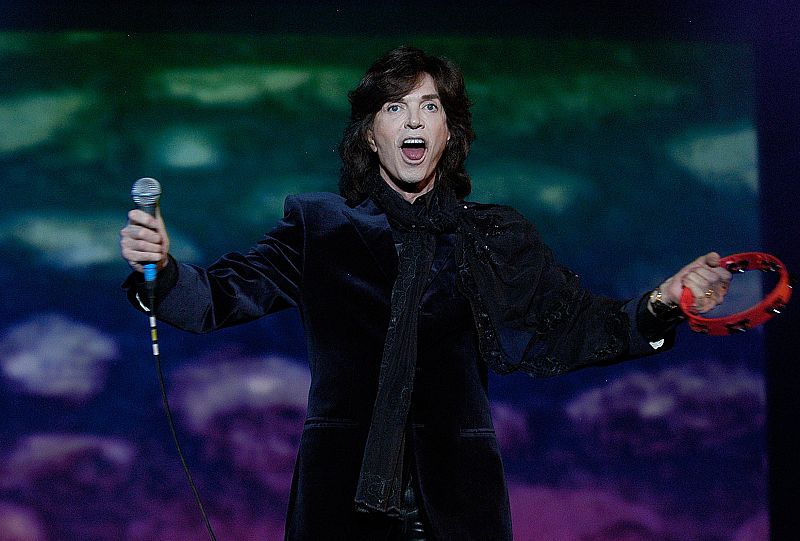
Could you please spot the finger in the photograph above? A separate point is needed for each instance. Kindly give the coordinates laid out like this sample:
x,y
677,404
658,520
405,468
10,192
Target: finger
x,y
133,256
135,238
709,281
708,267
696,285
144,246
697,280
135,232
723,274
140,217
717,278
148,235
711,259
705,296
704,275
697,263
138,251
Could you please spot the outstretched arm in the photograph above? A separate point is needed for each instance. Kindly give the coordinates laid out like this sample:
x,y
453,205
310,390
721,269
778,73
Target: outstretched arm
x,y
236,288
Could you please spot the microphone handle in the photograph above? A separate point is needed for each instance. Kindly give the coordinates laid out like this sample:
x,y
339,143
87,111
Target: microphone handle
x,y
150,269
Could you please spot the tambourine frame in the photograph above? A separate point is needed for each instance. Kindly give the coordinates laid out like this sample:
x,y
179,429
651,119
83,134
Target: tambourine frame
x,y
773,303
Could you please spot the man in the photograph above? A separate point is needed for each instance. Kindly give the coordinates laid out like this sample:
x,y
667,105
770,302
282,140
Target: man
x,y
408,295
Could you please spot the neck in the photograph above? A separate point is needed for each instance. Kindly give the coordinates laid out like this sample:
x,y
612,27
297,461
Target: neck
x,y
410,192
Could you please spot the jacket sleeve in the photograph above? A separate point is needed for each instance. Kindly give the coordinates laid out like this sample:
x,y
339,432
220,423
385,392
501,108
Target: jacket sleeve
x,y
576,328
533,315
237,287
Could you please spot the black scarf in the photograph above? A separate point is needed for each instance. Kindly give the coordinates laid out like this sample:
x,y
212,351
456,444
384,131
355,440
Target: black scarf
x,y
514,288
379,485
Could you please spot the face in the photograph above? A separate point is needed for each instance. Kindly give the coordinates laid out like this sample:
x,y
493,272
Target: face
x,y
409,136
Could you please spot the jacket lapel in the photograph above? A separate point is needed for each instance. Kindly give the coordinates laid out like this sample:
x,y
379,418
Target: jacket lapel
x,y
373,228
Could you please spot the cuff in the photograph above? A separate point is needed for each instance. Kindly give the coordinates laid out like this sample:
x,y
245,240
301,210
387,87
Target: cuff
x,y
649,332
166,279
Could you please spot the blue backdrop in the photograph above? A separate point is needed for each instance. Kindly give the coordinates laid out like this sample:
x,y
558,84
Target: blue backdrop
x,y
628,157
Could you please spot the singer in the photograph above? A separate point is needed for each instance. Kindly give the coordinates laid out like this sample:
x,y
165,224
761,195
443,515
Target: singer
x,y
409,294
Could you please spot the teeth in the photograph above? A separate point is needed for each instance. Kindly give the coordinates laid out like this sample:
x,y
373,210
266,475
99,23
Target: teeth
x,y
413,141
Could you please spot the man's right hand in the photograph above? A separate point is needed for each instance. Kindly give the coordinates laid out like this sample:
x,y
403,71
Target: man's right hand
x,y
144,240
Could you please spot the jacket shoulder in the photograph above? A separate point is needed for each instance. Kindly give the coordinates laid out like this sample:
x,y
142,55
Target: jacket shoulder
x,y
311,200
491,215
313,207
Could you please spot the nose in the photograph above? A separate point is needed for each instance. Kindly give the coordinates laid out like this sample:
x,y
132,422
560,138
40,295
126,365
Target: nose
x,y
414,122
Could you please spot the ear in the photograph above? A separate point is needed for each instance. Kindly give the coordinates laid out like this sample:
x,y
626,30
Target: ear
x,y
371,141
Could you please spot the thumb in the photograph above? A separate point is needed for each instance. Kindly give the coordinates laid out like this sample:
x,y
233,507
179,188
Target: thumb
x,y
712,259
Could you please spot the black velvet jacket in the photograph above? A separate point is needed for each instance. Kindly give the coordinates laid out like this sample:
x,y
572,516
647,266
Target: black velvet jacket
x,y
337,263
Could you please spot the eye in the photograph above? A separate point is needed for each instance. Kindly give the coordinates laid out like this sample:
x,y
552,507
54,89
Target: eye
x,y
393,108
430,107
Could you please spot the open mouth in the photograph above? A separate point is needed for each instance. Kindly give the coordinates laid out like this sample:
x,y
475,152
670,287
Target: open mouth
x,y
413,148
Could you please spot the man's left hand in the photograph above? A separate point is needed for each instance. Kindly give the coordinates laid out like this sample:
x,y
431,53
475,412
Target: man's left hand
x,y
707,281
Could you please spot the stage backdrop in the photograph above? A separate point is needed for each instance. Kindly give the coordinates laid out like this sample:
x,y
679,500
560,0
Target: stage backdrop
x,y
631,158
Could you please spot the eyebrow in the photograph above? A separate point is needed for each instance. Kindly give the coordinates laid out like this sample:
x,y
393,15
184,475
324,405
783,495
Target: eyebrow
x,y
424,97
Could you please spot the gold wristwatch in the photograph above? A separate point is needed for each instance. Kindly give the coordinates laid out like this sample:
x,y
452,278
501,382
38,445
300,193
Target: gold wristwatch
x,y
660,308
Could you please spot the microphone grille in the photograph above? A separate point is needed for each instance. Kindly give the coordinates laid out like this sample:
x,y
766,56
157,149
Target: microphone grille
x,y
146,191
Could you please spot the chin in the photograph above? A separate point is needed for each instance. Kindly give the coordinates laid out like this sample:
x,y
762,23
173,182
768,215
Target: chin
x,y
408,183
414,180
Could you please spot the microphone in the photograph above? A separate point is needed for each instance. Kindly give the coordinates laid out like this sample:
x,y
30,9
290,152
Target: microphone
x,y
145,193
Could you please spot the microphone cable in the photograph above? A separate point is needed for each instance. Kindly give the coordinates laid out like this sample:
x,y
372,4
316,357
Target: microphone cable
x,y
150,285
146,193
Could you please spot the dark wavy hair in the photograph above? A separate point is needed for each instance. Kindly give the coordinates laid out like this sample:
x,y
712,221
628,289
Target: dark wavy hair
x,y
390,78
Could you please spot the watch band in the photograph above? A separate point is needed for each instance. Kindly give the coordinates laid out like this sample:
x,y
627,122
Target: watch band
x,y
660,308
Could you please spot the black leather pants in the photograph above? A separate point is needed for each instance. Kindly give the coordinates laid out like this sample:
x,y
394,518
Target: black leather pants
x,y
408,526
411,526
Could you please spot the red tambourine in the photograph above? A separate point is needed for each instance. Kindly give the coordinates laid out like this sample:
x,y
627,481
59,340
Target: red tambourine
x,y
739,322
